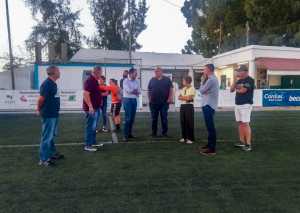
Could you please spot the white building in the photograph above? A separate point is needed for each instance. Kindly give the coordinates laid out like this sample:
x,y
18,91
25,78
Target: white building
x,y
115,62
174,65
271,67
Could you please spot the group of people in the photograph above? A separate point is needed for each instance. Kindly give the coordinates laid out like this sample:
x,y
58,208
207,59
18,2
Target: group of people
x,y
160,94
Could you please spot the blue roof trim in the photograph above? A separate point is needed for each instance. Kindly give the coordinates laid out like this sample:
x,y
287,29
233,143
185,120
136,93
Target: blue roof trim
x,y
75,64
36,76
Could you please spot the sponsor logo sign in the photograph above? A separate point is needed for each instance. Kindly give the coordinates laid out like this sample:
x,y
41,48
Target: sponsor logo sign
x,y
281,98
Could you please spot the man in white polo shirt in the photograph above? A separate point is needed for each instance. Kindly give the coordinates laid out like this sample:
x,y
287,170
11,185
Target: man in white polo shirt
x,y
244,88
131,92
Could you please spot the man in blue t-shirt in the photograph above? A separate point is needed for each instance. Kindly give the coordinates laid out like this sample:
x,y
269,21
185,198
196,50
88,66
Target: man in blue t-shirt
x,y
48,107
244,87
160,94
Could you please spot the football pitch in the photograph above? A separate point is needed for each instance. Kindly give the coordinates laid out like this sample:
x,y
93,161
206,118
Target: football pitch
x,y
149,175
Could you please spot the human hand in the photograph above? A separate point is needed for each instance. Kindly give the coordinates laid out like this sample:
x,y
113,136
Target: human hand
x,y
91,110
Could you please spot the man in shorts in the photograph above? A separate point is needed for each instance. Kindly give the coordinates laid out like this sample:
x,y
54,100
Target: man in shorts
x,y
244,88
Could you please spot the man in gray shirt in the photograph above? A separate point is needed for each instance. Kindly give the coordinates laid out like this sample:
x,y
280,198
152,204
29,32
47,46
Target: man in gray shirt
x,y
210,94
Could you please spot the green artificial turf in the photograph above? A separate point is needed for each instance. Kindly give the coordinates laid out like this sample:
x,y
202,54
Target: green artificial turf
x,y
161,176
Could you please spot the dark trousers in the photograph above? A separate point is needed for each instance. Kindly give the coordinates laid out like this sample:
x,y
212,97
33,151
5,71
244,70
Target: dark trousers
x,y
130,105
208,114
162,110
187,121
104,111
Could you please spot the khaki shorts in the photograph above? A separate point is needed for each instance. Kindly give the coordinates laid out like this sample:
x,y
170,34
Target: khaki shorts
x,y
243,113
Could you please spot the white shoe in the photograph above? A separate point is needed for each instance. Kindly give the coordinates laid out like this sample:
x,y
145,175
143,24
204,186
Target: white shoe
x,y
90,149
182,140
189,142
98,145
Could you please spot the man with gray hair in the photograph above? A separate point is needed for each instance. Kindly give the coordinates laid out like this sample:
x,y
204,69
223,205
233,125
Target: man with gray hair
x,y
48,107
92,101
210,94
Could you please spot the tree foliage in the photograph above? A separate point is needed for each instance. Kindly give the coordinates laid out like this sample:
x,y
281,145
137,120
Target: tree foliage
x,y
271,22
112,23
56,23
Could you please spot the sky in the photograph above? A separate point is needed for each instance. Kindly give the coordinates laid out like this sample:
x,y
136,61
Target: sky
x,y
166,31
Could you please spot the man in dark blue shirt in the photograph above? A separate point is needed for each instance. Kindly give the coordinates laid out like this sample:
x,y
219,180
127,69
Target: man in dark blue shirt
x,y
48,108
160,93
244,87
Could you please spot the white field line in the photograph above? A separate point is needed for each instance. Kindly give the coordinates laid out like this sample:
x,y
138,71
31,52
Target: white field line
x,y
175,141
108,142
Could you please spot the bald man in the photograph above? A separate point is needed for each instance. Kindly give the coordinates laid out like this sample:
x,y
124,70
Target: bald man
x,y
160,94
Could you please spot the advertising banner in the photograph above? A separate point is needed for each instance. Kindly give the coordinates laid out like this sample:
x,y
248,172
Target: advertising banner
x,y
27,99
18,100
281,98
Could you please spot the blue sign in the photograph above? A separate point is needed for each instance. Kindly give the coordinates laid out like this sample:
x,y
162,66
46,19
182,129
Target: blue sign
x,y
281,98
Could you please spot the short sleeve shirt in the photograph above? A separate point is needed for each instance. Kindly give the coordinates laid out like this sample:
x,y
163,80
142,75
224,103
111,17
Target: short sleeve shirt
x,y
51,94
159,90
115,93
91,85
188,91
245,98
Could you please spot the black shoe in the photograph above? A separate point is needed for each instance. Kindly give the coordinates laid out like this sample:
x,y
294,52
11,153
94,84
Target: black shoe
x,y
208,152
203,148
57,156
165,136
131,137
154,135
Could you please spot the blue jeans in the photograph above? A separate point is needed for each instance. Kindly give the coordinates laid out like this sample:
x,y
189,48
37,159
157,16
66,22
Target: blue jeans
x,y
161,109
91,126
208,114
49,131
130,105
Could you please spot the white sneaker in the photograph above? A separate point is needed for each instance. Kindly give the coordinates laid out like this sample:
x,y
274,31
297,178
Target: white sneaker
x,y
90,149
189,142
182,140
98,145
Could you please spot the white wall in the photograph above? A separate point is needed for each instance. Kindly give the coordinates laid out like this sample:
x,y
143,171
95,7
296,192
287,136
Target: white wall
x,y
226,99
72,76
5,80
23,79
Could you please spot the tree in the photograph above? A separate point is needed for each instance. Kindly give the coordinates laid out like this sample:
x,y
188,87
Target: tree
x,y
272,22
17,63
112,23
56,24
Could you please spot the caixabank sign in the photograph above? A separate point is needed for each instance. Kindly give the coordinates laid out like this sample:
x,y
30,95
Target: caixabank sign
x,y
281,98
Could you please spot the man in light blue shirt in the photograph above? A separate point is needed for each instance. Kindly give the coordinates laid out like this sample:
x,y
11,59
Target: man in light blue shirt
x,y
131,91
210,94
